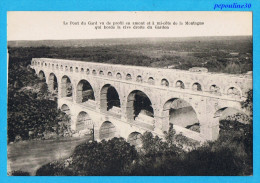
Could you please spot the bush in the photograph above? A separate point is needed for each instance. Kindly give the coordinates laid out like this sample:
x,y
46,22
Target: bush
x,y
110,157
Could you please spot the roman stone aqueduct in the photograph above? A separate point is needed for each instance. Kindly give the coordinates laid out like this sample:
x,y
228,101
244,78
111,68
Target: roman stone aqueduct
x,y
126,101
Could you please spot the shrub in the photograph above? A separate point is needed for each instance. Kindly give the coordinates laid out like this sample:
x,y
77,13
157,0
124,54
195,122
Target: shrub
x,y
110,157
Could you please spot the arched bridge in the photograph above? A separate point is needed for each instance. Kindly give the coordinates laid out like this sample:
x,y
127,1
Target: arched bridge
x,y
120,100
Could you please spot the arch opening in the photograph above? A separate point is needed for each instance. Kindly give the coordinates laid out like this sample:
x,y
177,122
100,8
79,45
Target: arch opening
x,y
109,74
151,81
196,87
107,130
53,84
230,118
128,77
85,92
101,73
139,79
135,138
42,76
94,72
109,100
87,71
214,89
180,113
66,87
139,107
165,82
232,91
118,76
232,114
180,84
84,122
65,108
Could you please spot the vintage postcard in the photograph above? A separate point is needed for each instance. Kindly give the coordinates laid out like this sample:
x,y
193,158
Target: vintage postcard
x,y
115,92
130,93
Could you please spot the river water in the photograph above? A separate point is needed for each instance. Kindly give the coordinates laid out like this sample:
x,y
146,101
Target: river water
x,y
28,156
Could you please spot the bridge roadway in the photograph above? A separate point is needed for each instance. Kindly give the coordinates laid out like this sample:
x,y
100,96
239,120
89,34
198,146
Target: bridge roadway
x,y
208,94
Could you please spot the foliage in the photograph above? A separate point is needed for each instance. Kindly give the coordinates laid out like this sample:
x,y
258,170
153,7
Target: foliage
x,y
110,157
31,112
212,53
248,103
19,173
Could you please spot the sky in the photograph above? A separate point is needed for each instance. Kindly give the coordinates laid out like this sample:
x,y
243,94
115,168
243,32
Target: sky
x,y
47,25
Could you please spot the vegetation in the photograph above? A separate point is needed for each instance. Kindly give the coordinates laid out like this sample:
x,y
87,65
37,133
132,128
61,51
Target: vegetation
x,y
222,54
32,112
105,158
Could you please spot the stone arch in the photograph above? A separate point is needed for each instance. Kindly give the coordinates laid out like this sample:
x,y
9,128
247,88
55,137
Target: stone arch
x,y
76,69
107,130
237,116
151,81
179,84
230,113
118,75
85,91
214,89
66,87
57,66
53,83
196,87
65,108
87,71
139,79
135,138
139,107
164,82
42,76
101,73
110,74
61,67
180,113
234,91
71,69
94,72
109,99
82,70
66,68
33,71
128,77
84,122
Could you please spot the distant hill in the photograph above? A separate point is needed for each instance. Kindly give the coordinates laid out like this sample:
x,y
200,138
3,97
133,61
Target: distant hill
x,y
119,41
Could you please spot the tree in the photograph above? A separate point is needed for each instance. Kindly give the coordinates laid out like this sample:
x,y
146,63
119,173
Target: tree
x,y
110,157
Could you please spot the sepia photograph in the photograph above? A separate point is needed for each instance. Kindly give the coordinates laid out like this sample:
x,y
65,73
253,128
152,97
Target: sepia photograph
x,y
130,93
